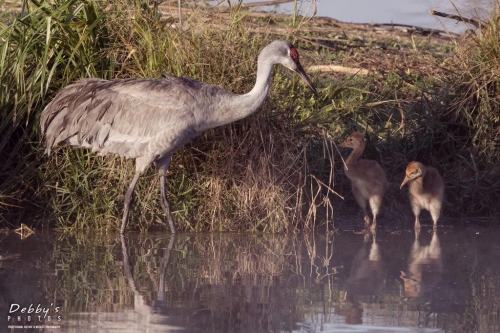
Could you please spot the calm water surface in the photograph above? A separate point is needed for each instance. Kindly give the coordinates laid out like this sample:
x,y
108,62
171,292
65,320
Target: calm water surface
x,y
392,11
341,282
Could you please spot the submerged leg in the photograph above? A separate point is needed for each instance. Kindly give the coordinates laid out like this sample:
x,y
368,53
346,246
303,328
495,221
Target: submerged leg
x,y
417,222
374,224
162,166
128,199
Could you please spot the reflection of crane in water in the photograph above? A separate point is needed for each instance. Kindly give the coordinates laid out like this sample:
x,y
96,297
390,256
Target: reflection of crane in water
x,y
149,316
425,266
368,272
150,119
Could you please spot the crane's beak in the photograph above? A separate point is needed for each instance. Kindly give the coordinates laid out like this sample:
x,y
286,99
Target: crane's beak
x,y
302,73
343,145
404,182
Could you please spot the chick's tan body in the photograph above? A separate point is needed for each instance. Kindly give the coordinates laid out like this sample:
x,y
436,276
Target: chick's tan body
x,y
425,190
367,177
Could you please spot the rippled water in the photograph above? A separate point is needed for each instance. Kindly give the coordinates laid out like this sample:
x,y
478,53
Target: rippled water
x,y
341,282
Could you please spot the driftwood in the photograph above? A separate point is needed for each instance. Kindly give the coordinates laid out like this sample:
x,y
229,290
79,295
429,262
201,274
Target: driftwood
x,y
459,18
338,69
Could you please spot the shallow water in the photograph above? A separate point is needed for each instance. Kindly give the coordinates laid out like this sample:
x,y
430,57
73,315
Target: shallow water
x,y
340,282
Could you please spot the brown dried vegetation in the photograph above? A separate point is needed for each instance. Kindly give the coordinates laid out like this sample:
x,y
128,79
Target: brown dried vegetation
x,y
426,96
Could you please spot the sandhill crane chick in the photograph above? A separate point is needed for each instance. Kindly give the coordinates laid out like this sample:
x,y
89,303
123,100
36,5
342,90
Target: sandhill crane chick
x,y
425,190
150,119
367,177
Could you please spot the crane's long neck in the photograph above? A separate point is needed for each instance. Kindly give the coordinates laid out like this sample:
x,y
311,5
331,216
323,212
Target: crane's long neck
x,y
254,99
241,106
353,157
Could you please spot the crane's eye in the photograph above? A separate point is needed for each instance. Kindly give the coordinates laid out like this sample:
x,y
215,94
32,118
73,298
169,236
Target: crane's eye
x,y
294,54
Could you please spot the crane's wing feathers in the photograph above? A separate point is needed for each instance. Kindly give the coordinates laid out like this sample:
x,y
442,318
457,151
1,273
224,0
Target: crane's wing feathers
x,y
126,117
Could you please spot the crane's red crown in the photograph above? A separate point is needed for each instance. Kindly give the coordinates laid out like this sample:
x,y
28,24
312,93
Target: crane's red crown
x,y
294,54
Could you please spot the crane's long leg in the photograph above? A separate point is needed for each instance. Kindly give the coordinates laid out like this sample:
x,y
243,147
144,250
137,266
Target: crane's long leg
x,y
362,202
166,205
162,166
416,208
375,203
128,199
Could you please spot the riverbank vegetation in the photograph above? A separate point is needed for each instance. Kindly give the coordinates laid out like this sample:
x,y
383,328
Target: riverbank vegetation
x,y
417,96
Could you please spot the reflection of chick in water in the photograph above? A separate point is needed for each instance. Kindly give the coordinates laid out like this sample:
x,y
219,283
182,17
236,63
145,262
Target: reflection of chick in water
x,y
367,274
425,267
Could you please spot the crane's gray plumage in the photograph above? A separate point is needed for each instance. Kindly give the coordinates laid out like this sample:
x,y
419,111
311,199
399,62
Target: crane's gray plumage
x,y
150,119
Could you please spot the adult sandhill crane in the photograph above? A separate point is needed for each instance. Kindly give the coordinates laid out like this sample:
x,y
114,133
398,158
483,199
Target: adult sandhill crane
x,y
150,119
367,177
426,190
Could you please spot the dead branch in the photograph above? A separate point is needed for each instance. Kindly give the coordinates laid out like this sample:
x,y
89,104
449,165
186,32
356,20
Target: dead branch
x,y
265,3
456,17
338,69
